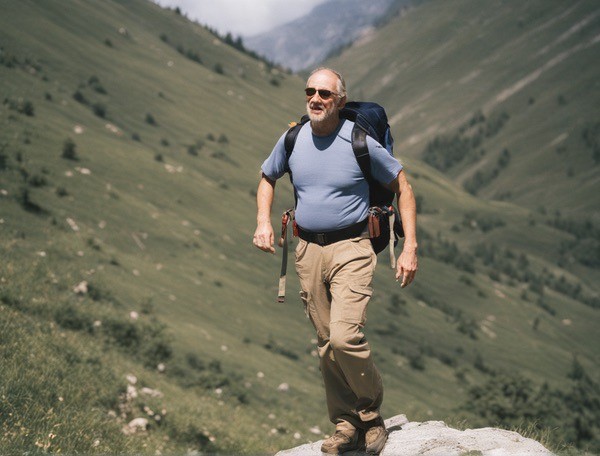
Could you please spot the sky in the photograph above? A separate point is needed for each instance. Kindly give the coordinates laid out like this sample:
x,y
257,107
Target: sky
x,y
242,17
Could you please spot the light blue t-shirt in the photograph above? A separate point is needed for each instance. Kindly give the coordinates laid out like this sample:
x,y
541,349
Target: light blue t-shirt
x,y
332,191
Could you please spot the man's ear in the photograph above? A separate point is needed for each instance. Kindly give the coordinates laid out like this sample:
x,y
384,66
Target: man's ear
x,y
342,102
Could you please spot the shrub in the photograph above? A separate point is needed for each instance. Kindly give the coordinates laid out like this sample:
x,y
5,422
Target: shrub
x,y
99,109
37,181
69,151
25,201
80,98
61,192
150,119
510,400
94,83
27,108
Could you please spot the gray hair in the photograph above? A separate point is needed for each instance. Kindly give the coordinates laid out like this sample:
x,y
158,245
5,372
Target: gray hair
x,y
341,85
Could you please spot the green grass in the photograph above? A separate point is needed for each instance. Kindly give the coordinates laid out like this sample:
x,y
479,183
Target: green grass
x,y
171,239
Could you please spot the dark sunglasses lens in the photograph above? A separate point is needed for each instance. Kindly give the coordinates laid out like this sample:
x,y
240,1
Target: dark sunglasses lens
x,y
324,94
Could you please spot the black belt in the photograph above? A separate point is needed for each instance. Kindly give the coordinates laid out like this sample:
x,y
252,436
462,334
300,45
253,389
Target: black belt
x,y
329,237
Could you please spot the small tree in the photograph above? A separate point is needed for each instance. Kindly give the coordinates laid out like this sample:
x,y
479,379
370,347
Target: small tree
x,y
70,150
150,119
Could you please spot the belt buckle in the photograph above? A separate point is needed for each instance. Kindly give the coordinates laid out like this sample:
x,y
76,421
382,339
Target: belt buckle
x,y
321,239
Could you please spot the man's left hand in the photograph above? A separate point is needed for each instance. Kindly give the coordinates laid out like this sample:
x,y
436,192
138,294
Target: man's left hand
x,y
406,267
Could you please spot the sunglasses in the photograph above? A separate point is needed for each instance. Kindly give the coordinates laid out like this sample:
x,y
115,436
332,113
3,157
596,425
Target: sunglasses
x,y
324,94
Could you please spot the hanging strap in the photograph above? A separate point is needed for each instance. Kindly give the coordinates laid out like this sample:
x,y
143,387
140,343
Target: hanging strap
x,y
392,215
286,218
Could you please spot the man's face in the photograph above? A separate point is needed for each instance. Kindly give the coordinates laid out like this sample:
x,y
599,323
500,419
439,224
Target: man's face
x,y
320,107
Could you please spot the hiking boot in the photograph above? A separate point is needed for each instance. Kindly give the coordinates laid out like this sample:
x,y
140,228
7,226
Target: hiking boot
x,y
375,437
340,442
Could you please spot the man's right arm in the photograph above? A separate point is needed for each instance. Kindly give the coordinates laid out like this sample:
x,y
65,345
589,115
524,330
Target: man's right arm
x,y
264,237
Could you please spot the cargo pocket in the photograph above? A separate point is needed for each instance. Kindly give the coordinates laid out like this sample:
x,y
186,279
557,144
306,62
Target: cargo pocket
x,y
354,309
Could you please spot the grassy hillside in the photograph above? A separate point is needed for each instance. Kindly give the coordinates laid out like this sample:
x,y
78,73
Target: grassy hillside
x,y
130,143
530,69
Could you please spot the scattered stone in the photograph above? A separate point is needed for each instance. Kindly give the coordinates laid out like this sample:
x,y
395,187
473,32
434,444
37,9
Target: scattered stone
x,y
151,392
72,224
81,287
316,430
136,425
131,392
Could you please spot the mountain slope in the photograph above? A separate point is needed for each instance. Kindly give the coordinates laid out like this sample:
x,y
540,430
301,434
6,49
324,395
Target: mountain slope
x,y
532,67
308,40
130,143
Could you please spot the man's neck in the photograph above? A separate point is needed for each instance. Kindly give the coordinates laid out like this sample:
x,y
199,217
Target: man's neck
x,y
325,128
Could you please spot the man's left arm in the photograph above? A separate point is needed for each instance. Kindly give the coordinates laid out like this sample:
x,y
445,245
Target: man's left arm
x,y
407,264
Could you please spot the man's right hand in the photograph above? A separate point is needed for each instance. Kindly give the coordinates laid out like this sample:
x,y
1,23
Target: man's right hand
x,y
264,237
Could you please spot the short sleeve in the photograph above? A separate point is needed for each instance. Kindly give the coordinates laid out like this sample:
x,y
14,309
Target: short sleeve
x,y
275,165
384,166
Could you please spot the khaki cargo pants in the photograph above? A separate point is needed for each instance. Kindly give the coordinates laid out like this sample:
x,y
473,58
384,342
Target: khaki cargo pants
x,y
336,288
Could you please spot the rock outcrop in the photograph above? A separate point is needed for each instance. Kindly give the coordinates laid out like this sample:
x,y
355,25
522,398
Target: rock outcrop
x,y
436,438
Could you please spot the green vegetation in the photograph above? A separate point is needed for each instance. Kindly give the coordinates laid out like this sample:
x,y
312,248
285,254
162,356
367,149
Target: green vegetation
x,y
572,415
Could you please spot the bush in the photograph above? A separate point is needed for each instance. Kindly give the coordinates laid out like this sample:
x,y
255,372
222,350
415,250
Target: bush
x,y
80,98
99,109
61,192
95,84
25,201
37,181
69,151
511,400
150,119
27,108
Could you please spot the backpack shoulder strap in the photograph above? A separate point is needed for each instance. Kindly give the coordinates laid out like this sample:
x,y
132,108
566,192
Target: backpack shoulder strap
x,y
361,151
292,134
378,194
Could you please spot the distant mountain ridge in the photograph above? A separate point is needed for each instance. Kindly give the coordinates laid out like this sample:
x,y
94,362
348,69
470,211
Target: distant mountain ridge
x,y
308,40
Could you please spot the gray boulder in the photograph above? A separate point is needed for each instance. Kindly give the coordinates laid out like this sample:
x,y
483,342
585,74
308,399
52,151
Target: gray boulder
x,y
435,438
